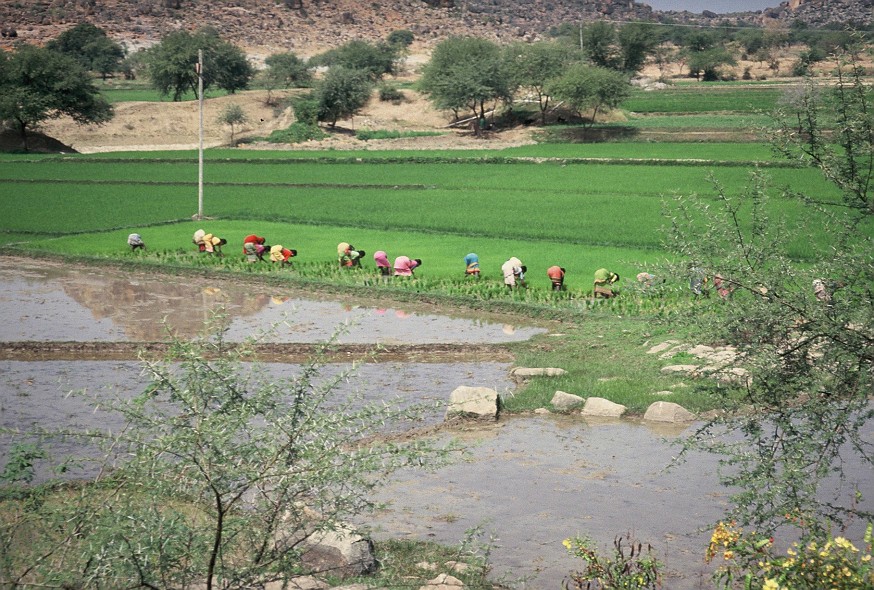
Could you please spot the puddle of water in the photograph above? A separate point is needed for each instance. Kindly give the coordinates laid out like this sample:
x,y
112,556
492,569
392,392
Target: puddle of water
x,y
534,481
48,302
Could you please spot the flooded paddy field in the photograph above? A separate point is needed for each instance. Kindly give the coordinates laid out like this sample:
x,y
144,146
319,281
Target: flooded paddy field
x,y
530,481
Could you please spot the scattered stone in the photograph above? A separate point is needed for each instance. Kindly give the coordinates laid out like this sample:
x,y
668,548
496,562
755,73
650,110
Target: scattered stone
x,y
662,347
528,372
481,403
299,583
668,412
342,553
679,369
457,566
563,401
542,411
443,582
663,392
424,565
598,406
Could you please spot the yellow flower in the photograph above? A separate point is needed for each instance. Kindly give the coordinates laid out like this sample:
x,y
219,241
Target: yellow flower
x,y
728,555
866,559
567,543
845,544
771,585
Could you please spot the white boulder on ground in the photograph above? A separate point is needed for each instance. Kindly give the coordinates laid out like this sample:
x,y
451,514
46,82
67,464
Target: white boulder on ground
x,y
443,582
668,412
563,401
686,369
342,553
528,372
480,403
604,408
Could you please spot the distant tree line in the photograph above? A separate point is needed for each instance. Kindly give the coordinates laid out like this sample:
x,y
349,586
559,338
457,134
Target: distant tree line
x,y
585,68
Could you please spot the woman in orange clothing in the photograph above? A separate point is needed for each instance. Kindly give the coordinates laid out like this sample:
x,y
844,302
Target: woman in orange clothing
x,y
556,275
282,255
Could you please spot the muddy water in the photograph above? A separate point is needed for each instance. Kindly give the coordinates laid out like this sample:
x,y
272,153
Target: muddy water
x,y
49,302
531,481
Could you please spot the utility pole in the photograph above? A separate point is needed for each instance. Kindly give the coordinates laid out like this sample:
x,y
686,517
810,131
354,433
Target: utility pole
x,y
200,135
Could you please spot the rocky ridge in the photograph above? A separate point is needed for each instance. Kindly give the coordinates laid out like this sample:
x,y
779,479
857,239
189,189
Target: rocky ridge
x,y
307,27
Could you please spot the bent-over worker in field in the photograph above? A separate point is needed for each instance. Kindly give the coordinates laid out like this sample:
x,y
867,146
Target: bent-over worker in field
x,y
404,266
254,247
514,273
197,240
471,262
382,263
556,276
213,244
604,280
135,241
280,254
348,256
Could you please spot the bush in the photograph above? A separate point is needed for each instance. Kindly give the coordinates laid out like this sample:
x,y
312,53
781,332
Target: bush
x,y
297,132
390,93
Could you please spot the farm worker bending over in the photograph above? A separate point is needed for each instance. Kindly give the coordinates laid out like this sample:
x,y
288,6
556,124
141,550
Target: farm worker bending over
x,y
556,275
136,241
603,281
198,240
472,262
348,256
281,255
213,244
254,248
382,263
404,266
514,273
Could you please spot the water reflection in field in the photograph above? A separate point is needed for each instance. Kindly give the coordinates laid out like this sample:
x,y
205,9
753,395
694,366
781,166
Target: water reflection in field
x,y
49,302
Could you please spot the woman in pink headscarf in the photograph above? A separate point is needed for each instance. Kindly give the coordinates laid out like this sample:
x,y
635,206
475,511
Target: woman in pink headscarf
x,y
404,266
382,263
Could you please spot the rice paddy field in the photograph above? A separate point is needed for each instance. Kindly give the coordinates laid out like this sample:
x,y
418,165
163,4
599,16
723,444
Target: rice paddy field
x,y
581,206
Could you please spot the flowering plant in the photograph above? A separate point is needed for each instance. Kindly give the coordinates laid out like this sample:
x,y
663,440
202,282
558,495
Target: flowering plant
x,y
631,567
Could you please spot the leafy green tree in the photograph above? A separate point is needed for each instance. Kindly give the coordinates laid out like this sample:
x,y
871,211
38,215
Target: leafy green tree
x,y
91,47
803,325
600,44
172,63
704,65
636,43
232,115
402,38
37,84
287,70
467,73
342,93
376,59
534,65
222,475
590,89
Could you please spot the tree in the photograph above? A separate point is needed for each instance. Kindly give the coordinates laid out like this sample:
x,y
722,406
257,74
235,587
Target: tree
x,y
172,63
37,84
91,47
342,93
534,65
636,43
376,59
466,73
588,88
803,319
401,38
221,477
599,44
287,70
705,64
231,116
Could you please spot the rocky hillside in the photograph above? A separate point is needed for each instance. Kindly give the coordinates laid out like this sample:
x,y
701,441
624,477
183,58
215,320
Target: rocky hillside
x,y
310,26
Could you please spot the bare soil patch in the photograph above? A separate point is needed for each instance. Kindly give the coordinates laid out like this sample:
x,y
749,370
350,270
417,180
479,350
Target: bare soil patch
x,y
145,126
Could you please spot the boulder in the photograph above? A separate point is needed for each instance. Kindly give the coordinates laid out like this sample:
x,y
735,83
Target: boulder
x,y
563,401
679,369
668,412
480,403
667,344
342,553
528,372
298,583
443,582
598,406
